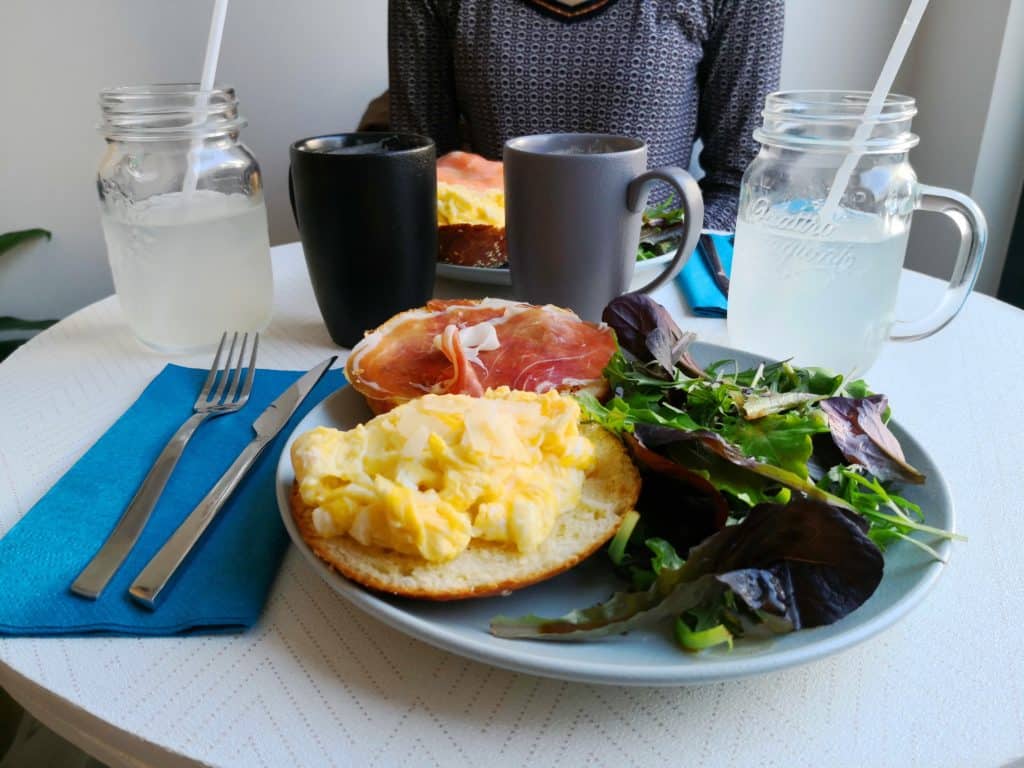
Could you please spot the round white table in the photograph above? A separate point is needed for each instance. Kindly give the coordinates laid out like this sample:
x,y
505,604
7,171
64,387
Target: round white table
x,y
316,682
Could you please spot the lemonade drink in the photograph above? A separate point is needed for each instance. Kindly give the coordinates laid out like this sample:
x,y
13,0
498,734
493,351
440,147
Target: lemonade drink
x,y
821,294
189,266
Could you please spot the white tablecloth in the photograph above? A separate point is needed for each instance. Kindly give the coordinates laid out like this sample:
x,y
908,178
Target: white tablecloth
x,y
319,683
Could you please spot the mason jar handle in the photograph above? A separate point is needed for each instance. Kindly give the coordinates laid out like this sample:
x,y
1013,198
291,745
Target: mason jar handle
x,y
970,221
693,214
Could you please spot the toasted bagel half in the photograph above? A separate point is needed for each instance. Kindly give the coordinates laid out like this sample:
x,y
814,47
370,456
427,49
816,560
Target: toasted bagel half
x,y
610,490
471,245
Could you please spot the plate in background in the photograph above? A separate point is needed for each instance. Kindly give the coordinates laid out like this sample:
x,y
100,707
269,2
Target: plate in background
x,y
644,272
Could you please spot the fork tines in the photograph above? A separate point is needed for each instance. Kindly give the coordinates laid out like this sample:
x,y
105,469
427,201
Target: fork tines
x,y
224,380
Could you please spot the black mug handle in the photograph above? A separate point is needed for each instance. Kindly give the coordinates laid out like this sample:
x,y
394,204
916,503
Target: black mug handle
x,y
291,197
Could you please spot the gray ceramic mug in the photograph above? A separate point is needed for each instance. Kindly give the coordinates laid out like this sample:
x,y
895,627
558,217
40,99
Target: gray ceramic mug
x,y
573,211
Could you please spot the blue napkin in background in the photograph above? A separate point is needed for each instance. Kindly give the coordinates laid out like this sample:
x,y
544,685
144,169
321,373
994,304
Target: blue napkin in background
x,y
698,286
224,583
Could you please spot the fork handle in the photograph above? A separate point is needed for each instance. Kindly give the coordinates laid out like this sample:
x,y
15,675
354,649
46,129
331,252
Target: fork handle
x,y
158,572
94,578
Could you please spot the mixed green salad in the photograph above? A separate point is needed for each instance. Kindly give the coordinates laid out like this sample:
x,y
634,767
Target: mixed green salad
x,y
661,230
768,494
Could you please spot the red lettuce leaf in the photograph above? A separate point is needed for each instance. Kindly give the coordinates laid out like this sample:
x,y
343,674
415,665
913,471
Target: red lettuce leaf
x,y
863,438
820,556
647,331
676,504
808,563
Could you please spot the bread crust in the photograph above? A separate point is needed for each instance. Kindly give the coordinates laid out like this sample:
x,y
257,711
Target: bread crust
x,y
471,245
488,568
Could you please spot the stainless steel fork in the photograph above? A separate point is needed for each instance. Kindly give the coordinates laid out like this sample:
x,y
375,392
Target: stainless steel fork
x,y
220,394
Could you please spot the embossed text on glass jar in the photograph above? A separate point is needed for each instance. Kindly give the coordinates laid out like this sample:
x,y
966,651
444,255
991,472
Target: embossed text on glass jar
x,y
189,262
821,288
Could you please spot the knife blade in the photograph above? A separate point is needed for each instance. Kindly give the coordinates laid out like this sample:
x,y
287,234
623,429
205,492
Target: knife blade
x,y
159,571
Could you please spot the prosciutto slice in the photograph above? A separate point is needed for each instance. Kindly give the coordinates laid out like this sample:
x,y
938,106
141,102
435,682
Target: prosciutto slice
x,y
470,170
465,347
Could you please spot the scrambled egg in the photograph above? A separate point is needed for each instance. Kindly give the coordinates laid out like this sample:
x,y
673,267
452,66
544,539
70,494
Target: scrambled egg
x,y
459,204
438,471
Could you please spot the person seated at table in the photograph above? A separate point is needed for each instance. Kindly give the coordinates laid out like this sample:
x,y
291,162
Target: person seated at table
x,y
475,73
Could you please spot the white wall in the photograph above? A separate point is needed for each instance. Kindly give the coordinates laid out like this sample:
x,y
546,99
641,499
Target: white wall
x,y
309,66
838,43
966,71
963,118
999,174
300,68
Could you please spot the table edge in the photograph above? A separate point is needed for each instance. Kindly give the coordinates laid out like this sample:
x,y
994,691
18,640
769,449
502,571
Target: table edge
x,y
97,737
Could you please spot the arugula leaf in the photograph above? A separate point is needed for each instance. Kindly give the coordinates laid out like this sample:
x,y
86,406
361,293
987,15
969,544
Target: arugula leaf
x,y
782,377
664,214
621,417
620,373
892,517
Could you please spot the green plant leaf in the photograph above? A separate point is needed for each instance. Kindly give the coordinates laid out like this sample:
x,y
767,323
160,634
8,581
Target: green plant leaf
x,y
17,324
10,239
6,347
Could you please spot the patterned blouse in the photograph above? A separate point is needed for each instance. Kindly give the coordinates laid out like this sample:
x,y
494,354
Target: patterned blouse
x,y
666,71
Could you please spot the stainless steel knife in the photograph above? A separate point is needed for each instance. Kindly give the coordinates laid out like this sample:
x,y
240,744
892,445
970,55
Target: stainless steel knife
x,y
714,263
158,572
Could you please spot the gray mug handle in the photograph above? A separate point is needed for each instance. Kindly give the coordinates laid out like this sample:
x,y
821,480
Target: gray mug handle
x,y
693,214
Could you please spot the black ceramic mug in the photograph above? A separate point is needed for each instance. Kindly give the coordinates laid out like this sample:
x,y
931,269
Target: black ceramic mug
x,y
366,208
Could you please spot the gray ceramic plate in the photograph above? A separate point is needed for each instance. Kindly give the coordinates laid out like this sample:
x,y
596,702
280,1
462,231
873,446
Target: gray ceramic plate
x,y
644,272
644,657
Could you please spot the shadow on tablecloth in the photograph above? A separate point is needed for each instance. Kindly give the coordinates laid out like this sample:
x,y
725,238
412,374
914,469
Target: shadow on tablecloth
x,y
27,743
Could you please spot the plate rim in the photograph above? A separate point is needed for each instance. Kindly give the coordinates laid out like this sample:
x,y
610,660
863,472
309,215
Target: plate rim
x,y
514,655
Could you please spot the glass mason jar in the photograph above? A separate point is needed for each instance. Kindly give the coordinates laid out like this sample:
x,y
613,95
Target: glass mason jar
x,y
813,278
183,215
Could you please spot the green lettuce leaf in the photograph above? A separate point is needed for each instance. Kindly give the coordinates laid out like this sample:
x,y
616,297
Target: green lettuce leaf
x,y
783,440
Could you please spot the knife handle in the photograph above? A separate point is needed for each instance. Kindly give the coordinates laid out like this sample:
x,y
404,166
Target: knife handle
x,y
94,578
158,572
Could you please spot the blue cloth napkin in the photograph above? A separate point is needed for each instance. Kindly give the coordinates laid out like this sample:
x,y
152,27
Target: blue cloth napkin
x,y
698,286
221,588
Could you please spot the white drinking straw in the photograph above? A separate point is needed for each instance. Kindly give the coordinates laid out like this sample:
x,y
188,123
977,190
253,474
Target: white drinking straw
x,y
220,12
874,108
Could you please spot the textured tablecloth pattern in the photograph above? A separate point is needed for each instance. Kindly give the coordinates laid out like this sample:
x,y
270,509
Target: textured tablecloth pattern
x,y
319,683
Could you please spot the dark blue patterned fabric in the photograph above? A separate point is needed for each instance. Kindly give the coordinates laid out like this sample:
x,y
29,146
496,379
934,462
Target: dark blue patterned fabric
x,y
666,71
